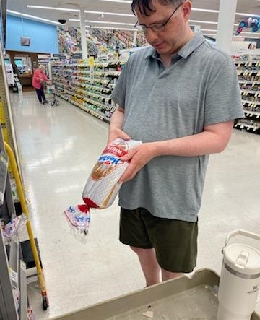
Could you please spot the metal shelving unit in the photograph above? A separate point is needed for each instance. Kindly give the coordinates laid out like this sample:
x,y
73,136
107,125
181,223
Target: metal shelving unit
x,y
13,282
88,87
12,271
248,70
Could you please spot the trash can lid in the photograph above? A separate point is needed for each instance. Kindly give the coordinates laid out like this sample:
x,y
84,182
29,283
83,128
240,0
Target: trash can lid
x,y
243,256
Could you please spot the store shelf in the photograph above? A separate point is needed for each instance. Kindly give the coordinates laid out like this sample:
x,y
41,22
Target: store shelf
x,y
253,127
253,103
88,88
249,82
248,67
247,91
252,113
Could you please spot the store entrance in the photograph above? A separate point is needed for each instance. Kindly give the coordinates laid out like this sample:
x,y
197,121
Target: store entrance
x,y
24,63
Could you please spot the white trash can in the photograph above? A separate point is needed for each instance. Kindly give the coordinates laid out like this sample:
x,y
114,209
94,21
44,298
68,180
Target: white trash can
x,y
239,280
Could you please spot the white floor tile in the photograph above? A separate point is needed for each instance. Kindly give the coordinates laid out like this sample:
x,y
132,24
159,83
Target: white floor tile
x,y
58,147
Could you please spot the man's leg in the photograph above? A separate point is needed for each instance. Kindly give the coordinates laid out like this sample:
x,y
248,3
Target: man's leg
x,y
167,275
149,264
39,95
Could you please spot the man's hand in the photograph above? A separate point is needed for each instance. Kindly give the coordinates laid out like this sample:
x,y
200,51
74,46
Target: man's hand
x,y
138,157
117,133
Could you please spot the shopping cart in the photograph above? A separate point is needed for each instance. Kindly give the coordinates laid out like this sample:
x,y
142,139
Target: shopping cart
x,y
51,93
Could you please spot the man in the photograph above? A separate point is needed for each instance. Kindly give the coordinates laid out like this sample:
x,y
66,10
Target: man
x,y
38,82
180,98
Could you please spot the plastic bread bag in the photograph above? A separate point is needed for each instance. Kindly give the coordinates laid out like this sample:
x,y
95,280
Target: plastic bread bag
x,y
102,186
78,218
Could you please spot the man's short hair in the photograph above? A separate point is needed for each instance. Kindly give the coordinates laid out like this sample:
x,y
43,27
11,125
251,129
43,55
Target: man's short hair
x,y
146,7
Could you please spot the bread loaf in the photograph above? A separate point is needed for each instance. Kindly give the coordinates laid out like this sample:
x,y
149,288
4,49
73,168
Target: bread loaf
x,y
102,185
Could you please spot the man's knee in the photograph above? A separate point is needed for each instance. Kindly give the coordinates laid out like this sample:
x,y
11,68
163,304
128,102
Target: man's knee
x,y
136,250
141,251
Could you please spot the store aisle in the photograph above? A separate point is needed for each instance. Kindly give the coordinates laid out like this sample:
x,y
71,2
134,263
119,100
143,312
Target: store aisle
x,y
58,147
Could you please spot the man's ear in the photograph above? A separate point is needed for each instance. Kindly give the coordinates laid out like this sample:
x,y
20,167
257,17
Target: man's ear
x,y
186,9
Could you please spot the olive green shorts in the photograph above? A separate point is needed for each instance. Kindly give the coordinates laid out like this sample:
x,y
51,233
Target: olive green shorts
x,y
174,241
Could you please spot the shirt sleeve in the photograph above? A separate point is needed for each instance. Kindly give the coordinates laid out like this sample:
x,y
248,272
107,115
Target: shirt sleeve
x,y
223,100
119,93
45,78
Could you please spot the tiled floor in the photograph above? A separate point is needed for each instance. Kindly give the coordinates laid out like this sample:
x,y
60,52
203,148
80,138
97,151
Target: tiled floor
x,y
58,147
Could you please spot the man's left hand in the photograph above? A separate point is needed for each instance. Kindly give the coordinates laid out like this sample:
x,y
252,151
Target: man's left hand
x,y
138,157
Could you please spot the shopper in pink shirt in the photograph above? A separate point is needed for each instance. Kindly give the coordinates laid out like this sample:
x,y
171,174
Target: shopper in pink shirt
x,y
38,81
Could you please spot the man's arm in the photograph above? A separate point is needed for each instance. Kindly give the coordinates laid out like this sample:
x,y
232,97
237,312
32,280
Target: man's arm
x,y
213,139
116,124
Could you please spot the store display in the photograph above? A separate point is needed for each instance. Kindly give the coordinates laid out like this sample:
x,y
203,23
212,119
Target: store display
x,y
69,40
251,22
102,186
86,86
248,69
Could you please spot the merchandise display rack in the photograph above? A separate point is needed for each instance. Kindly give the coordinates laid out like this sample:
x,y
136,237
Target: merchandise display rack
x,y
88,86
13,281
248,70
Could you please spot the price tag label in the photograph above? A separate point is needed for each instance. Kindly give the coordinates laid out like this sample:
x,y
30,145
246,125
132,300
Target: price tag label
x,y
91,62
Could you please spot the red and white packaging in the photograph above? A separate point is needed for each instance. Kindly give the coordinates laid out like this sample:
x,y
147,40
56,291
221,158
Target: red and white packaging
x,y
102,186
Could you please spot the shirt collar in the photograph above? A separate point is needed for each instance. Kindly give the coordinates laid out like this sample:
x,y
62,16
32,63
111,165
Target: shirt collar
x,y
185,51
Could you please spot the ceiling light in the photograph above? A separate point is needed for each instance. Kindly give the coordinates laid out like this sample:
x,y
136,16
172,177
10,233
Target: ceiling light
x,y
243,37
207,22
53,8
211,30
111,22
247,14
111,13
204,10
31,17
74,20
13,12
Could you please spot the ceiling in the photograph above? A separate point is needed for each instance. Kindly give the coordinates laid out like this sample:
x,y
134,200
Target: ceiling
x,y
244,7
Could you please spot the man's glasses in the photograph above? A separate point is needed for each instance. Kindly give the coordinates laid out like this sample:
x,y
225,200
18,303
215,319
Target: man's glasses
x,y
156,27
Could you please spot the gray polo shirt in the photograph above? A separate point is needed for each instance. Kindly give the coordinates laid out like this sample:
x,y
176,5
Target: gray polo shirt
x,y
200,88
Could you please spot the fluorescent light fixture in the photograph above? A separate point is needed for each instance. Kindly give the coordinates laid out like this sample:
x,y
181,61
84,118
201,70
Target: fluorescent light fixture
x,y
31,17
206,22
243,37
217,11
247,14
110,13
74,20
210,30
86,11
13,12
111,22
53,8
204,10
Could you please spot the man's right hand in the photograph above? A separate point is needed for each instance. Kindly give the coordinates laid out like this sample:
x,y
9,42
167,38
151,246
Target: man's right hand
x,y
115,133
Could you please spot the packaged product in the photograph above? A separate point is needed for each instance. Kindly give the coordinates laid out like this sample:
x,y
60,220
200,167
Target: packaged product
x,y
102,186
